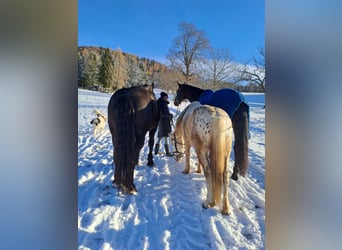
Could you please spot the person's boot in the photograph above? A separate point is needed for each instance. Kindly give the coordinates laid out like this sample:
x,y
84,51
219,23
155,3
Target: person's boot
x,y
167,150
156,149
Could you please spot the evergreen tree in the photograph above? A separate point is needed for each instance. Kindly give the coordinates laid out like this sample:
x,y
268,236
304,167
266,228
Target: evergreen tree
x,y
81,66
105,76
90,71
144,73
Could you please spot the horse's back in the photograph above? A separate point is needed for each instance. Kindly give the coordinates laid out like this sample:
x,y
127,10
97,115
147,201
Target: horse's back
x,y
198,124
227,99
137,103
189,110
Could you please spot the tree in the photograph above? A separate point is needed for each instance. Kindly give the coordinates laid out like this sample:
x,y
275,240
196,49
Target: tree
x,y
217,67
105,76
255,72
135,74
187,49
81,66
165,79
120,70
90,71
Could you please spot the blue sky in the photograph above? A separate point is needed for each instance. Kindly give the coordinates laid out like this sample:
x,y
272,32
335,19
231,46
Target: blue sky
x,y
146,28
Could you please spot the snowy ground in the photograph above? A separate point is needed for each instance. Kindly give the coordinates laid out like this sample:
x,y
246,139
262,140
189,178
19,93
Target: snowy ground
x,y
166,213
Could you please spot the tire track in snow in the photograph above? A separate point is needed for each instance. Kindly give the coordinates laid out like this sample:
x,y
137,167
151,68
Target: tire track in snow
x,y
163,207
189,223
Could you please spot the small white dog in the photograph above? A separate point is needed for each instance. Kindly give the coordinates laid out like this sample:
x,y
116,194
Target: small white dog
x,y
99,122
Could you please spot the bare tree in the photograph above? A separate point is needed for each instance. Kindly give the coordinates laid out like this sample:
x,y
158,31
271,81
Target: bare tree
x,y
254,72
165,80
217,67
187,49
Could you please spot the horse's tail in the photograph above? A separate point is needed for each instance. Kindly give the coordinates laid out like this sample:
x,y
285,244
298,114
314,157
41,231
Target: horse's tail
x,y
219,142
241,127
124,142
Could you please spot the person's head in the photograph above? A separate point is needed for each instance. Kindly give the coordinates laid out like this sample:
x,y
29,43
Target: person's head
x,y
164,96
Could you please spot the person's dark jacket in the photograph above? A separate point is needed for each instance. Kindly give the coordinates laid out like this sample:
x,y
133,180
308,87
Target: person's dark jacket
x,y
164,127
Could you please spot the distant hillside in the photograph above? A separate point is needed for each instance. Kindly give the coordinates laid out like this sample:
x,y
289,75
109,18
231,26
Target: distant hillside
x,y
108,70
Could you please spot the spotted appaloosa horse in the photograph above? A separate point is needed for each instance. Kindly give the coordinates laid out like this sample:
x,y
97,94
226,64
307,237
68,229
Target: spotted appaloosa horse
x,y
209,130
234,104
132,112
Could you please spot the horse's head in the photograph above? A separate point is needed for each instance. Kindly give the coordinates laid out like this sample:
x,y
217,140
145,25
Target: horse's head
x,y
150,88
179,94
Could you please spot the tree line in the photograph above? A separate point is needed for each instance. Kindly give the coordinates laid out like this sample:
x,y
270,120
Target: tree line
x,y
108,70
192,60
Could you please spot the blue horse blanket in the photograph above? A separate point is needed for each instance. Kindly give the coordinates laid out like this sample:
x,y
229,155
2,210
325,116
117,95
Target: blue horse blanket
x,y
227,99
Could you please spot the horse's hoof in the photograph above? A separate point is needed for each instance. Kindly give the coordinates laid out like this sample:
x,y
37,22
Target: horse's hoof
x,y
207,205
225,212
131,189
150,164
204,205
185,172
234,177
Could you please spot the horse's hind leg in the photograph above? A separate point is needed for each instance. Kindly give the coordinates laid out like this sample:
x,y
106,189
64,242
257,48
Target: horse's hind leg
x,y
139,143
187,159
209,202
202,159
225,201
199,168
150,145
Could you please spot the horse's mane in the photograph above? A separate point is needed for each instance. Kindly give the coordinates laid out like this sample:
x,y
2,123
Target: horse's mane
x,y
192,87
185,111
181,115
193,92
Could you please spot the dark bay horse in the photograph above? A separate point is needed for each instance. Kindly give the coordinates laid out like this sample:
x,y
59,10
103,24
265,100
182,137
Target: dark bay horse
x,y
132,112
235,105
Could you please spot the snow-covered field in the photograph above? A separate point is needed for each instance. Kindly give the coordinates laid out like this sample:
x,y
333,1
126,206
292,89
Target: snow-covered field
x,y
166,212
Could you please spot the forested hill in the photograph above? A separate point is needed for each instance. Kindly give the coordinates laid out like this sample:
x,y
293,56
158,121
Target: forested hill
x,y
108,70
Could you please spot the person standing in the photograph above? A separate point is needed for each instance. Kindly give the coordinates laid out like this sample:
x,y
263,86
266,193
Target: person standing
x,y
164,127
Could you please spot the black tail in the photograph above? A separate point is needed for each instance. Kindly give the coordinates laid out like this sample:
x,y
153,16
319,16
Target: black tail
x,y
124,140
240,122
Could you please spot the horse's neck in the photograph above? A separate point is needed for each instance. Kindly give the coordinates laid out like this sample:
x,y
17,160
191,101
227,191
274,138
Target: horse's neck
x,y
195,93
